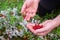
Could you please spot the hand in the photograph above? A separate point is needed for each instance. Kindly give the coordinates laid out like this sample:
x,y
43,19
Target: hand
x,y
30,26
29,8
48,26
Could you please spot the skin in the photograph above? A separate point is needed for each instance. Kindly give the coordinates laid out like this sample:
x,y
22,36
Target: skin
x,y
48,26
29,10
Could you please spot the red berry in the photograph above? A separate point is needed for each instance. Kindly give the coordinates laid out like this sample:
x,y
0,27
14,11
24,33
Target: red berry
x,y
37,26
24,17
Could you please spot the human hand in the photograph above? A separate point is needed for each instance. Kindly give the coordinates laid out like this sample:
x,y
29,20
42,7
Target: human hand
x,y
29,8
48,26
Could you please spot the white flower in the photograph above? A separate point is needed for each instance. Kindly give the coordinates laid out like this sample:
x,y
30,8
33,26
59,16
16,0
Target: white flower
x,y
25,22
41,37
22,23
32,20
51,34
21,33
13,33
14,11
9,9
4,12
1,37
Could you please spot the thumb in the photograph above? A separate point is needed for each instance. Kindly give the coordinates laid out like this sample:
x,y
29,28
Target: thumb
x,y
23,8
41,30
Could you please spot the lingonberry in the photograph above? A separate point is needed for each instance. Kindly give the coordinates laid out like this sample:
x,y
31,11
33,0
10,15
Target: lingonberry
x,y
37,26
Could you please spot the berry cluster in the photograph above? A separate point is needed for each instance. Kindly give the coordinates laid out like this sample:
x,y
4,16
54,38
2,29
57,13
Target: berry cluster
x,y
37,26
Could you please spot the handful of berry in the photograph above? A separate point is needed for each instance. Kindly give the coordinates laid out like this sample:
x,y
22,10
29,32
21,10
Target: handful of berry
x,y
37,26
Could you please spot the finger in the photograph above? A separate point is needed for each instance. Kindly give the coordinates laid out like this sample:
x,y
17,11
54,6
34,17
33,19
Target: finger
x,y
31,11
43,33
27,10
33,14
23,14
27,16
30,24
23,8
30,27
42,29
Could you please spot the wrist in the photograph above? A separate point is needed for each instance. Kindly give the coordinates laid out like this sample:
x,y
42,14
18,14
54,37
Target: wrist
x,y
57,20
37,1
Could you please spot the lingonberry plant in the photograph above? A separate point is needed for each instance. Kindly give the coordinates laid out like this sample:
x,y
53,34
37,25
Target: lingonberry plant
x,y
13,27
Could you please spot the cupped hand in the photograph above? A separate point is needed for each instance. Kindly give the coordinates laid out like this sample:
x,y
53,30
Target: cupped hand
x,y
48,26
